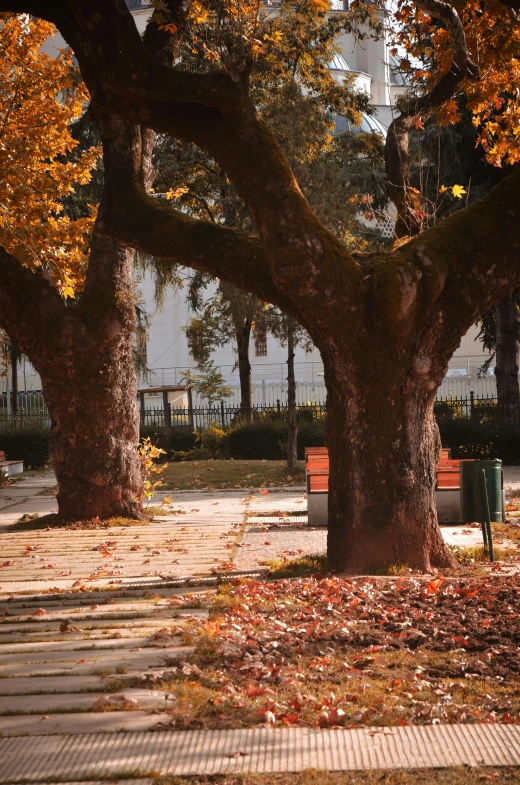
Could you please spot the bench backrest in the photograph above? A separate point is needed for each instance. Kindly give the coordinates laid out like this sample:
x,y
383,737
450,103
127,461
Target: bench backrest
x,y
2,455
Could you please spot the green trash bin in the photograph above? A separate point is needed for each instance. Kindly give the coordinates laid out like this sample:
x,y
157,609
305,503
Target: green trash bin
x,y
472,500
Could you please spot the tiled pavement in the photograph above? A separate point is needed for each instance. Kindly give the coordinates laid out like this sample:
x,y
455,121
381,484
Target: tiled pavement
x,y
81,612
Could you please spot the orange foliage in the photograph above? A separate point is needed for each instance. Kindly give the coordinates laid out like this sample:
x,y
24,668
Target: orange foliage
x,y
40,96
493,39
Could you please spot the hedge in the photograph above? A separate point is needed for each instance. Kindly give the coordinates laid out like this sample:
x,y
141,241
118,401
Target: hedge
x,y
268,440
30,445
468,439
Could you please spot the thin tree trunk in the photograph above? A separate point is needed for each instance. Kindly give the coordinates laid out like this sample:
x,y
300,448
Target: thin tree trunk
x,y
507,356
292,426
14,356
383,446
243,335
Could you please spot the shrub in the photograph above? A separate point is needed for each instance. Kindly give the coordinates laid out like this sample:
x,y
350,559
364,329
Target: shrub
x,y
259,440
211,440
473,439
29,444
171,440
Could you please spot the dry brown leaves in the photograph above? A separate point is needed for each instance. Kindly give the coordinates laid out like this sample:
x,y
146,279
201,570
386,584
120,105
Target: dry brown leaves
x,y
335,652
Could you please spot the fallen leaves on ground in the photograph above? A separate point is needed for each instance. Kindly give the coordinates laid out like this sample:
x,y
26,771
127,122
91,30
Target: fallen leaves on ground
x,y
327,652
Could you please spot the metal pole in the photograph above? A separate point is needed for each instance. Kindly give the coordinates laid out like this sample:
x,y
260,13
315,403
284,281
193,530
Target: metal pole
x,y
488,517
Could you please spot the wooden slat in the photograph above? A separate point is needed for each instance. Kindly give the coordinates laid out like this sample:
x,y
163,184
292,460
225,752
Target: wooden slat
x,y
318,483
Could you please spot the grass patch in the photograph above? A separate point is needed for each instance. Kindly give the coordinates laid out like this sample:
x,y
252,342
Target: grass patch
x,y
310,564
220,474
477,554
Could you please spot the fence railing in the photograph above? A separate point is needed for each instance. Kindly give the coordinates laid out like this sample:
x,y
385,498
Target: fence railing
x,y
200,418
479,409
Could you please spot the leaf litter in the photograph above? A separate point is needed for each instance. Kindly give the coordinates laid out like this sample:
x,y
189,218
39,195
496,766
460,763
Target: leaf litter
x,y
333,652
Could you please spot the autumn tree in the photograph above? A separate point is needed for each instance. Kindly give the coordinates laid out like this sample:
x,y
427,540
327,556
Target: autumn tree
x,y
66,297
227,316
386,322
334,173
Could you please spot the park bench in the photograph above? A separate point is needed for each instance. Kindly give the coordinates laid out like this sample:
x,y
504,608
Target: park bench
x,y
10,467
447,487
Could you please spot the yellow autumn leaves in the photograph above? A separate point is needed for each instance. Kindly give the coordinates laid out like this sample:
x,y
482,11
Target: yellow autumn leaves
x,y
40,97
457,191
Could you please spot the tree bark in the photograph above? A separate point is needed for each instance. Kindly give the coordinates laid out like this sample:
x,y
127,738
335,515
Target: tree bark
x,y
383,450
243,335
88,380
507,359
83,353
292,425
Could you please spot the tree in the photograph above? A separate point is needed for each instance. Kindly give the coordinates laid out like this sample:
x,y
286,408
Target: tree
x,y
386,322
289,333
66,297
228,315
208,383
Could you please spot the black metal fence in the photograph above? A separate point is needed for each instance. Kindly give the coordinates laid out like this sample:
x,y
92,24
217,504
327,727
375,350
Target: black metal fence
x,y
224,416
478,409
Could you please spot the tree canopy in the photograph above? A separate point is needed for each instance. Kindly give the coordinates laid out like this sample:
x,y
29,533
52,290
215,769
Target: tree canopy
x,y
40,97
385,322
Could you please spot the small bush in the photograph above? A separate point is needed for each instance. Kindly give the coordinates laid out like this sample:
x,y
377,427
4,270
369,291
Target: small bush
x,y
30,445
485,441
171,440
268,440
212,441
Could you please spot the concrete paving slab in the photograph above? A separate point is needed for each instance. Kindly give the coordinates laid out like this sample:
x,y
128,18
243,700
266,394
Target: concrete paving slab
x,y
83,722
43,704
139,657
61,684
184,753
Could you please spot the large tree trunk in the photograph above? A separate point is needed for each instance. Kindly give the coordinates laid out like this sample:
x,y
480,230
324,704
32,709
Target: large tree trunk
x,y
383,445
243,335
506,370
89,383
292,426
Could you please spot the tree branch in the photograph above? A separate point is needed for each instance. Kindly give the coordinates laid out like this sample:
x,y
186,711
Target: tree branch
x,y
471,259
397,157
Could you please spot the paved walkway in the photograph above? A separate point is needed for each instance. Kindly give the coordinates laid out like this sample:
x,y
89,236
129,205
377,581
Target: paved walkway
x,y
87,615
277,750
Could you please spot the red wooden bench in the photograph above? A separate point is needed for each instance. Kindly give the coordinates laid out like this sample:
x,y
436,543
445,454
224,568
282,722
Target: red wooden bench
x,y
10,467
317,470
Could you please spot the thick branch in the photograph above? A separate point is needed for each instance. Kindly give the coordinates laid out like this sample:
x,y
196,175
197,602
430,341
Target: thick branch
x,y
129,213
115,64
211,110
30,304
474,255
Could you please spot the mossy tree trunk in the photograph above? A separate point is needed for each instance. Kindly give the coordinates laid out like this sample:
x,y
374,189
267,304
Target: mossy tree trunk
x,y
383,450
83,353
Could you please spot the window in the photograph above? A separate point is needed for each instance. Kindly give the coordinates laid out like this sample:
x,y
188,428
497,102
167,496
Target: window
x,y
260,340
